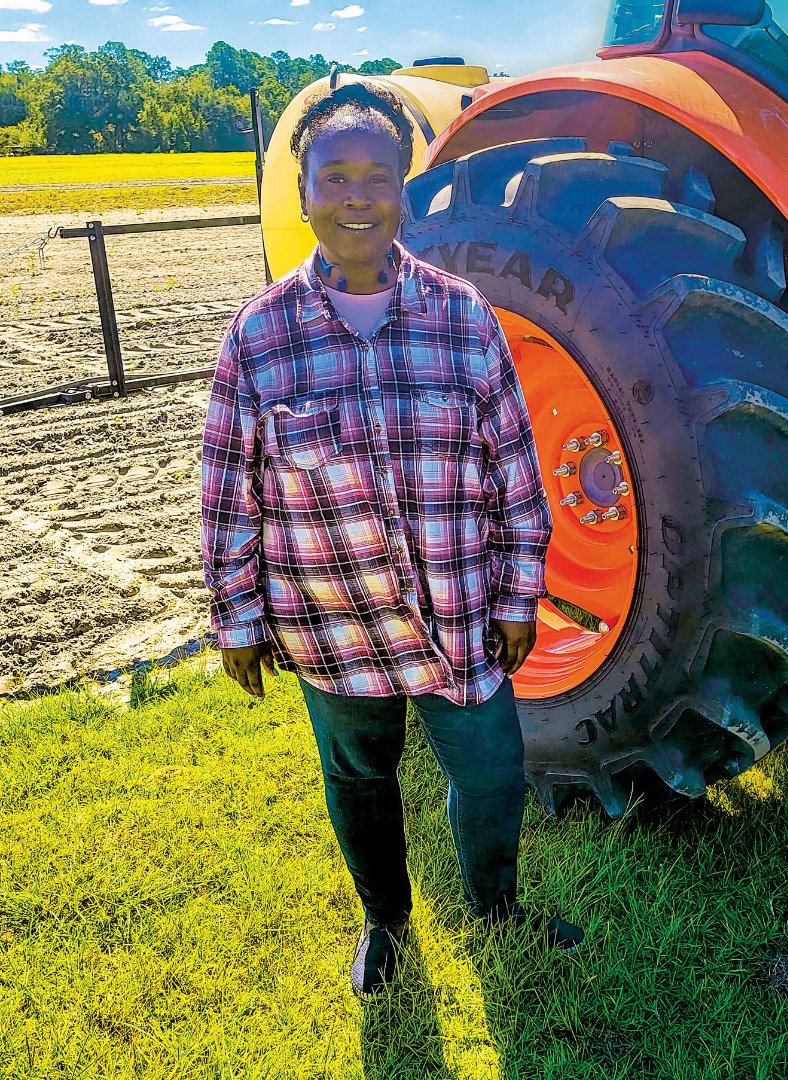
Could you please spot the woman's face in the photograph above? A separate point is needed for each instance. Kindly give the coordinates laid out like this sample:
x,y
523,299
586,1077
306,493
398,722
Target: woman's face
x,y
351,187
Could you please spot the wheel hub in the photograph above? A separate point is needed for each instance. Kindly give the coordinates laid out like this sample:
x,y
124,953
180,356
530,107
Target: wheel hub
x,y
599,477
592,559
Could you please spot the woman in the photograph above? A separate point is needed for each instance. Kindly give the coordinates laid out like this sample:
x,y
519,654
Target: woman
x,y
374,520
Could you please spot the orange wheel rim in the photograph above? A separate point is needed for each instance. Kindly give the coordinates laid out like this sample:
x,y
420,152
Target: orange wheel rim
x,y
592,562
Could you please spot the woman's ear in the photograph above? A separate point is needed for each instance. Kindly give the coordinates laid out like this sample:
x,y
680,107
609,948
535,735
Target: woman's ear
x,y
302,191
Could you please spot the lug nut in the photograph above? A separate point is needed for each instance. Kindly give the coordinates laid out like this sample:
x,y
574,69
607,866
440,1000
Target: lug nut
x,y
591,518
575,445
567,469
574,498
615,513
596,438
621,489
614,458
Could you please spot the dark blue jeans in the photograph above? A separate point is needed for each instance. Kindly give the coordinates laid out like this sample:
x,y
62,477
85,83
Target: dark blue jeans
x,y
479,749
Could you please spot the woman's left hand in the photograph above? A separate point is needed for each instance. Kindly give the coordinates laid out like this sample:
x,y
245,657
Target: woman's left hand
x,y
516,639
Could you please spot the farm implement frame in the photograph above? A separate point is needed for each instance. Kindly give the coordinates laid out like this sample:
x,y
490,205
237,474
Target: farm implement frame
x,y
117,384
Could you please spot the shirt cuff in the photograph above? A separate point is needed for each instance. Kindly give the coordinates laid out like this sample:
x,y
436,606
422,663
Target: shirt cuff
x,y
238,637
514,608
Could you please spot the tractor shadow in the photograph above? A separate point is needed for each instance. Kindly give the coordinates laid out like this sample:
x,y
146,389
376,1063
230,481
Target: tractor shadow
x,y
403,1035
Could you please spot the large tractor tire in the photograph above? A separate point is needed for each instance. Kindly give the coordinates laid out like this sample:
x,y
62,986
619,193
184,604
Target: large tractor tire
x,y
652,352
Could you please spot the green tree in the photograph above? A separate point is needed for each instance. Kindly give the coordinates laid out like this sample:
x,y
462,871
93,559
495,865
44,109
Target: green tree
x,y
157,68
319,67
273,101
166,119
240,68
124,84
379,67
22,126
190,113
91,101
13,109
294,73
116,98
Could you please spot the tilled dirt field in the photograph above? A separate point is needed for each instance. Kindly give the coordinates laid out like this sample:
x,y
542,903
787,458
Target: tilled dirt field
x,y
99,502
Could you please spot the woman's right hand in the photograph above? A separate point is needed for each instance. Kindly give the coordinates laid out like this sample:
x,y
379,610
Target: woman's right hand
x,y
243,665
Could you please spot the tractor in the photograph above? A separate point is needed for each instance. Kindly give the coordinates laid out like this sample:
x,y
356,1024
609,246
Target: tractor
x,y
626,218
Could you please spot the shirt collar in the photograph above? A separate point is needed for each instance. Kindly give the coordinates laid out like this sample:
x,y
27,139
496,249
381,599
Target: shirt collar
x,y
313,303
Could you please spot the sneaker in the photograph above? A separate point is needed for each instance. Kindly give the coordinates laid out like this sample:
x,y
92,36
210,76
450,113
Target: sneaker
x,y
556,932
375,958
559,933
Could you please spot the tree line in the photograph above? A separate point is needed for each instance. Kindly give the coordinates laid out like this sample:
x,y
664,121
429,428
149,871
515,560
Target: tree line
x,y
119,99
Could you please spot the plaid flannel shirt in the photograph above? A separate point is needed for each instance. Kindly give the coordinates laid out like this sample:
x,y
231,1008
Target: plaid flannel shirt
x,y
368,505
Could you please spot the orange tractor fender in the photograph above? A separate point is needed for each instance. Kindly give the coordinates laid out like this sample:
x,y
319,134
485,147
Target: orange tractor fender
x,y
744,120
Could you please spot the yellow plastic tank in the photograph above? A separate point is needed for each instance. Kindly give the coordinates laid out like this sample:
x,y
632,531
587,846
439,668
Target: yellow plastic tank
x,y
431,96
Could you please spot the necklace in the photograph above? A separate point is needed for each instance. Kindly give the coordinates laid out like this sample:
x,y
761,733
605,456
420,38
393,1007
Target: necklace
x,y
327,267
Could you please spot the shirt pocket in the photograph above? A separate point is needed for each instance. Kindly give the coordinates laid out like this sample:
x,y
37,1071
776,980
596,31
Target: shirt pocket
x,y
442,420
303,433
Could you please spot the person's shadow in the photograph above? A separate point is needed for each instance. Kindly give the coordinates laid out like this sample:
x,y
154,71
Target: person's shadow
x,y
401,1034
401,1038
418,1028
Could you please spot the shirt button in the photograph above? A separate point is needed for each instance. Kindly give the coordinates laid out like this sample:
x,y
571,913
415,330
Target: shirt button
x,y
391,513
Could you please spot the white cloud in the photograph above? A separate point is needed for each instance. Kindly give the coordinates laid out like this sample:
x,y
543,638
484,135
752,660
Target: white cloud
x,y
324,26
170,23
279,22
363,52
40,7
299,3
361,29
30,32
158,7
107,3
352,11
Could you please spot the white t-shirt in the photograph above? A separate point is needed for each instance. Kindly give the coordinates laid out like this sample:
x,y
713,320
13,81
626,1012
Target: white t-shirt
x,y
361,310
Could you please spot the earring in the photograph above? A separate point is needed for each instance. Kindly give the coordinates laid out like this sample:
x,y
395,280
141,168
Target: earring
x,y
402,219
304,216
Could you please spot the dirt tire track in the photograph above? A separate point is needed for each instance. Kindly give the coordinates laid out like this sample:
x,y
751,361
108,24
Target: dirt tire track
x,y
99,502
99,529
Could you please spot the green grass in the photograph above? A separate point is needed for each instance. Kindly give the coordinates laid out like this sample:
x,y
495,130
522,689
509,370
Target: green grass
x,y
173,905
68,171
108,168
88,201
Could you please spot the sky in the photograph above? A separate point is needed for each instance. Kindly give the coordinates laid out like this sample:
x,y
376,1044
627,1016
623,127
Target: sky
x,y
513,36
